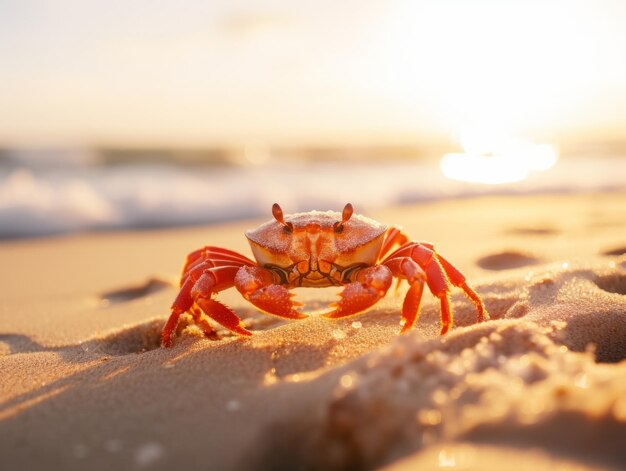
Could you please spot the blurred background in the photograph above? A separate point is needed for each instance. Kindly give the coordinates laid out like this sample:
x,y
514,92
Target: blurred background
x,y
117,114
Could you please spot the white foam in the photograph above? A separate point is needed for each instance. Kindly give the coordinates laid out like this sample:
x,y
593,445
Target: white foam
x,y
47,200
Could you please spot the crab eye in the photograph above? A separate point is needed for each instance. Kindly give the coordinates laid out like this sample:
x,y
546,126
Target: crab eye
x,y
338,227
288,228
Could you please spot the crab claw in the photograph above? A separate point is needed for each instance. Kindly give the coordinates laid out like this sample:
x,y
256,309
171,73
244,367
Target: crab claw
x,y
275,299
223,316
372,285
256,284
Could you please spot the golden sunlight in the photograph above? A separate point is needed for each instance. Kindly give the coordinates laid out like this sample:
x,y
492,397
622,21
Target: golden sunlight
x,y
287,73
494,156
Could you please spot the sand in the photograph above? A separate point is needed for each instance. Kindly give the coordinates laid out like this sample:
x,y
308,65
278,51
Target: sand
x,y
540,386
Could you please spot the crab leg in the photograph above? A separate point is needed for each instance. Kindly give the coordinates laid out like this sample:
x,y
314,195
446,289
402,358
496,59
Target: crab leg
x,y
406,267
201,321
196,269
393,237
223,315
182,303
439,272
437,283
213,281
224,259
213,253
370,286
209,251
258,286
458,279
197,290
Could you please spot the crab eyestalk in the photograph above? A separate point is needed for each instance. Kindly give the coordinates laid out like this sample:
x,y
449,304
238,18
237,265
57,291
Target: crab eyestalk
x,y
345,217
278,215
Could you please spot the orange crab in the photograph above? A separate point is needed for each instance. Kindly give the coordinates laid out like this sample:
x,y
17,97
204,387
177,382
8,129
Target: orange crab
x,y
315,249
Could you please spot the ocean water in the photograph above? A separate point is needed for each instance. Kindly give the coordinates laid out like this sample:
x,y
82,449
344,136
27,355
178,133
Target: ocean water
x,y
47,196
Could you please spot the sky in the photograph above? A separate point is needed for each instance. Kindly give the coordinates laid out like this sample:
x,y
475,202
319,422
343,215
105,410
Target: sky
x,y
231,72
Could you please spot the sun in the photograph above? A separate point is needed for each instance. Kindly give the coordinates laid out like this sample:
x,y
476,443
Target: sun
x,y
494,156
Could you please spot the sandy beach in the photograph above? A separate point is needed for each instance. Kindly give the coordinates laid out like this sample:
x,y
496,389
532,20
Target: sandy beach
x,y
540,386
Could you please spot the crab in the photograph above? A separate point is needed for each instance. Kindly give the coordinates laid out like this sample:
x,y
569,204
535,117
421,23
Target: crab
x,y
315,249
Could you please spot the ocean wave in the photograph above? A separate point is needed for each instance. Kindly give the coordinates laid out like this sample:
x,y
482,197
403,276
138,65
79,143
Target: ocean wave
x,y
36,202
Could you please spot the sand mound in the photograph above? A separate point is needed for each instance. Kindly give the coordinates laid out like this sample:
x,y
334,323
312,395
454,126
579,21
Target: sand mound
x,y
529,379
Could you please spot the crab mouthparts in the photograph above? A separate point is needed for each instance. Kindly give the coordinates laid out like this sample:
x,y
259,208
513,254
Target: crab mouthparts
x,y
313,247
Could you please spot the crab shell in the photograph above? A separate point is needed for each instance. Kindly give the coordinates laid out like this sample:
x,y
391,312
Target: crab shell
x,y
313,251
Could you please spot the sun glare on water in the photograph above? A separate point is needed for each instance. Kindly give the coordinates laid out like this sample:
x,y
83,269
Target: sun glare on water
x,y
494,156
